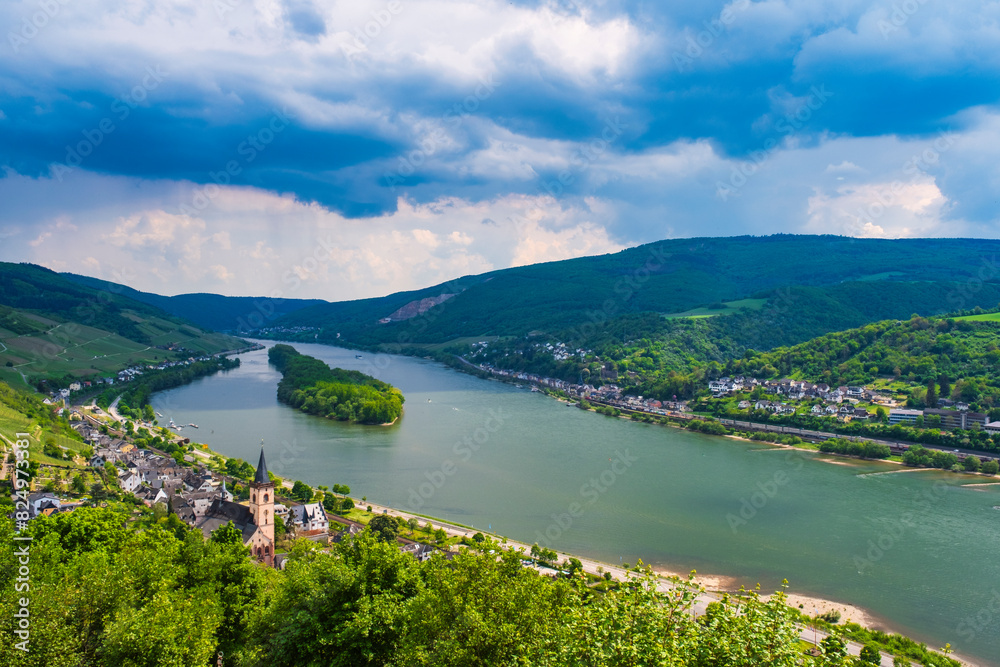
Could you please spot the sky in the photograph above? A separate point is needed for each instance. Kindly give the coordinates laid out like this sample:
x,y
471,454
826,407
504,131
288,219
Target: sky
x,y
348,149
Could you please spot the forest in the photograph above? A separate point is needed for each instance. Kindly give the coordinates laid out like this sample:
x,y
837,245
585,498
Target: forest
x,y
311,386
116,586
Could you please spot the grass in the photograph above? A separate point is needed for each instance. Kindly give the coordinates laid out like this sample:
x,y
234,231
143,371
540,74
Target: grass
x,y
729,307
888,275
55,349
464,341
985,317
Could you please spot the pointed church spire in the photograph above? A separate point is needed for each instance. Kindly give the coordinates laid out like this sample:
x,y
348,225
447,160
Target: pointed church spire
x,y
262,476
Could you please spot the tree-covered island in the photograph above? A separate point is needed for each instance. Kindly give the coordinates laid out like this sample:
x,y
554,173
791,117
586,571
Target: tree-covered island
x,y
311,386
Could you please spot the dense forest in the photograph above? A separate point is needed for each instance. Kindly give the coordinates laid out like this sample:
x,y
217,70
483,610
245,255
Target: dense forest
x,y
108,588
314,388
817,284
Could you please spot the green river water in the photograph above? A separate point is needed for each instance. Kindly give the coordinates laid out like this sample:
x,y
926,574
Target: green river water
x,y
917,549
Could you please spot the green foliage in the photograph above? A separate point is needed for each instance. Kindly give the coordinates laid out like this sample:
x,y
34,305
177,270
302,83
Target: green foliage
x,y
384,528
302,491
929,458
865,449
106,593
313,387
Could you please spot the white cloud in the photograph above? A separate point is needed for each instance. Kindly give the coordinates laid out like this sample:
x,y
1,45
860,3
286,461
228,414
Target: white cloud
x,y
252,242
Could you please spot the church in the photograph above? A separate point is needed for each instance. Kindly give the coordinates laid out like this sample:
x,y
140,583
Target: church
x,y
255,522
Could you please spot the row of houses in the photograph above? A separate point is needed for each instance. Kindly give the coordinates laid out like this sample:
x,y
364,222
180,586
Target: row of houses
x,y
793,389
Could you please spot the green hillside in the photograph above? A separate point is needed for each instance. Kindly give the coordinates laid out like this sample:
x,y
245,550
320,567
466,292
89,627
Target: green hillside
x,y
209,311
55,330
860,279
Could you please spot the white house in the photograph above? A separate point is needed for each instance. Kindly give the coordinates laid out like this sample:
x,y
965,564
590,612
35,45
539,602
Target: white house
x,y
129,481
310,517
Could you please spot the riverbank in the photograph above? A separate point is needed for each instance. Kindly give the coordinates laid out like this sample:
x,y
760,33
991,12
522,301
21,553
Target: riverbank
x,y
671,509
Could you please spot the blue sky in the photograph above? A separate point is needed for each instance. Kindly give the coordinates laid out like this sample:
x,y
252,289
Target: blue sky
x,y
339,150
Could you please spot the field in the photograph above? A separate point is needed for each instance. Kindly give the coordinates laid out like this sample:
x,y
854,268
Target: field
x,y
54,349
728,307
985,317
12,422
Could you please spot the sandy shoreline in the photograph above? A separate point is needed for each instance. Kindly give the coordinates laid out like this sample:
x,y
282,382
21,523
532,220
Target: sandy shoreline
x,y
807,604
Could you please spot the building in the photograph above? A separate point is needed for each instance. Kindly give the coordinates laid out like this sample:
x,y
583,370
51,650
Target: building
x,y
255,521
309,518
904,416
951,419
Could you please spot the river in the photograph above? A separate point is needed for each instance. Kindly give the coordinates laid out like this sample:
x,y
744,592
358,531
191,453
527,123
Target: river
x,y
918,549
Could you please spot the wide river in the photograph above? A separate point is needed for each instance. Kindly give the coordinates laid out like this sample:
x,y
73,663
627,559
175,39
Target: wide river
x,y
917,548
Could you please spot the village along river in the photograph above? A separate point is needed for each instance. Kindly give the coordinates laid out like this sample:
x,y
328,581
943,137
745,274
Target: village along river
x,y
917,549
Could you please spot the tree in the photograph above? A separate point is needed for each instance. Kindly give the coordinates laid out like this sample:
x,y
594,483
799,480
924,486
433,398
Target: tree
x,y
302,491
78,485
384,528
990,467
971,463
870,655
413,523
97,492
440,536
228,534
931,399
478,538
944,386
347,504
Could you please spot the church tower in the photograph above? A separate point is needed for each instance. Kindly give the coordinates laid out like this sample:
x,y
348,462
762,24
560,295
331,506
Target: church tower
x,y
262,503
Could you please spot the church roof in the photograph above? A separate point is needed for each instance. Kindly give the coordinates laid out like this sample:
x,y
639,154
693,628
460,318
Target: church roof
x,y
262,476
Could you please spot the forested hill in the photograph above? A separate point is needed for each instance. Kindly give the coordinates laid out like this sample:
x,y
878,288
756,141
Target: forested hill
x,y
212,311
675,276
313,387
966,351
54,331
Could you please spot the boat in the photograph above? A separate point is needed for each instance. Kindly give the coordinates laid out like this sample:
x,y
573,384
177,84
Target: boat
x,y
193,425
357,356
171,424
159,414
536,389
